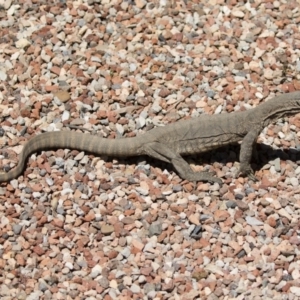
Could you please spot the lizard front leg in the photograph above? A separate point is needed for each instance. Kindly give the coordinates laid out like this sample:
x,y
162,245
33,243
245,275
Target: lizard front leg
x,y
247,149
163,152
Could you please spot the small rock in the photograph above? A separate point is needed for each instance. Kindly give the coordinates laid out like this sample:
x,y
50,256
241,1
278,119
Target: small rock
x,y
242,205
164,92
194,218
295,290
149,287
126,252
231,204
221,215
155,228
97,269
65,116
22,43
294,181
107,229
268,74
284,213
138,244
17,228
62,95
3,75
135,289
214,269
237,13
253,221
6,4
140,3
104,282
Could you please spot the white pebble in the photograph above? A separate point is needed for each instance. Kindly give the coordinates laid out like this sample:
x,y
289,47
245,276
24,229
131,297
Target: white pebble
x,y
3,75
22,43
294,181
65,116
253,221
295,290
237,13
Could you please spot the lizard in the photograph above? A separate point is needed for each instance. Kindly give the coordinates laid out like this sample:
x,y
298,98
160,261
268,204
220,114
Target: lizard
x,y
169,143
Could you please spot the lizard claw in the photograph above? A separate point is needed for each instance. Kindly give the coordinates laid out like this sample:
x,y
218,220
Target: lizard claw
x,y
252,177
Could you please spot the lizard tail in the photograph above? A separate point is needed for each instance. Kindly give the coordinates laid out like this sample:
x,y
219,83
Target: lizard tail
x,y
74,140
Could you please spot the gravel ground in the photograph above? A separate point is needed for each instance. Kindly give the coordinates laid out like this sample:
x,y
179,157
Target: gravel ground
x,y
75,226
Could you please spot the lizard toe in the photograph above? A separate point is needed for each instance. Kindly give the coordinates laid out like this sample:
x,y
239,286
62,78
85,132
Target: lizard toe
x,y
252,177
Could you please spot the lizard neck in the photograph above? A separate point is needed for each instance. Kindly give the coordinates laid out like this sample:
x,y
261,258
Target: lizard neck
x,y
277,108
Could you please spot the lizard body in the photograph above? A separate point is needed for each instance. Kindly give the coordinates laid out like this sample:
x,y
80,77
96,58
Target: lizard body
x,y
169,143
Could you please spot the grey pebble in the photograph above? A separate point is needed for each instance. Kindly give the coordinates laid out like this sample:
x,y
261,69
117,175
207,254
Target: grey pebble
x,y
82,263
149,287
225,60
156,107
24,215
253,221
142,191
116,86
249,37
121,287
34,295
197,232
241,254
43,172
242,205
231,204
104,282
21,295
1,132
60,210
104,122
155,228
79,211
249,191
135,288
43,286
177,188
210,94
204,217
212,297
59,161
126,252
17,228
239,196
81,22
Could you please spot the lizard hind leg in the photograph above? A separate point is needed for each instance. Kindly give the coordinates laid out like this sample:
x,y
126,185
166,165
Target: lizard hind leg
x,y
186,172
160,151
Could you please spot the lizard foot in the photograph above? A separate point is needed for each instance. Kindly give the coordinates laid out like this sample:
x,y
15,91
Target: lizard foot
x,y
247,171
204,176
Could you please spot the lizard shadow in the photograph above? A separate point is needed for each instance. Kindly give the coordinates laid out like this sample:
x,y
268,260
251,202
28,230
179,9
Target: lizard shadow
x,y
223,155
265,154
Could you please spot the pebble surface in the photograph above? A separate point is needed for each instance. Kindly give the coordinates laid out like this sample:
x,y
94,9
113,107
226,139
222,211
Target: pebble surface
x,y
75,226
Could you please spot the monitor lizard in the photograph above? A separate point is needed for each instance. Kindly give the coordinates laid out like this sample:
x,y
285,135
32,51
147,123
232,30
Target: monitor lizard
x,y
169,143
